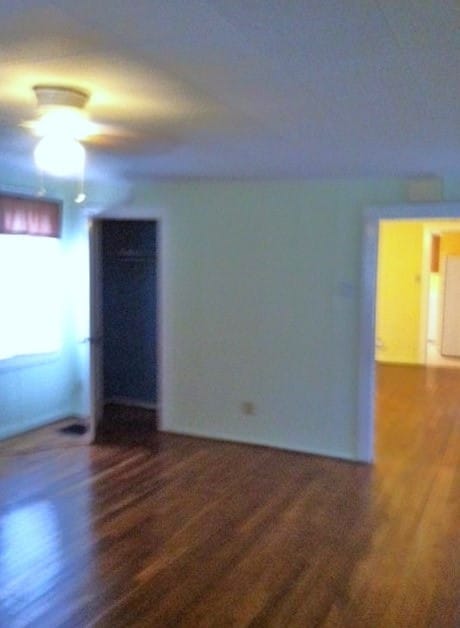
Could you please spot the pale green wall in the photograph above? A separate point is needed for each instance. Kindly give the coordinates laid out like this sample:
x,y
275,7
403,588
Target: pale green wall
x,y
49,388
262,290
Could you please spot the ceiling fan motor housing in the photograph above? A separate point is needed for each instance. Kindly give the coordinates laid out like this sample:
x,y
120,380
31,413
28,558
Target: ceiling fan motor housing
x,y
58,96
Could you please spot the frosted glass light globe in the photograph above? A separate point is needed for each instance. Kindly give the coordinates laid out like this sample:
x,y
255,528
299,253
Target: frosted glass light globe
x,y
60,156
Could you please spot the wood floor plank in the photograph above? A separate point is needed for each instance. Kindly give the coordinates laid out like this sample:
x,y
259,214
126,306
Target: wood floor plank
x,y
166,530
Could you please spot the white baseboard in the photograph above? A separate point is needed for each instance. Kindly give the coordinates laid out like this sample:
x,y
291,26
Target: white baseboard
x,y
258,443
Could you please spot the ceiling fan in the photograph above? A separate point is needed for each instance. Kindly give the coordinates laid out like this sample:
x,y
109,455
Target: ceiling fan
x,y
65,127
61,109
62,124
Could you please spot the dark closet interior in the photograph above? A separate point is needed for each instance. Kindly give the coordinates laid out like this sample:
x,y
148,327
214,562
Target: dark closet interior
x,y
129,303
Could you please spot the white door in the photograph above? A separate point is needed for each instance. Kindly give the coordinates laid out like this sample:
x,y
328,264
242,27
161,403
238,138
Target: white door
x,y
450,338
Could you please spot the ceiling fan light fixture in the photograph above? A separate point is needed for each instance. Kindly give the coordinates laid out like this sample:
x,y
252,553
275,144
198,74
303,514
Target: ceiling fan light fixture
x,y
60,96
60,156
61,124
64,121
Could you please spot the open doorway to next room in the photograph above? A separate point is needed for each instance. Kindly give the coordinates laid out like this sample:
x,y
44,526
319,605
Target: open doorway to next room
x,y
417,338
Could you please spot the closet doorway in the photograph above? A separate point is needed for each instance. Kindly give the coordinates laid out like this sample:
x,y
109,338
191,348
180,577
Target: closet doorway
x,y
124,317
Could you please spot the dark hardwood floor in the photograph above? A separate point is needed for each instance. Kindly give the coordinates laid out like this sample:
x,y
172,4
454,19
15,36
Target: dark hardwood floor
x,y
44,438
166,530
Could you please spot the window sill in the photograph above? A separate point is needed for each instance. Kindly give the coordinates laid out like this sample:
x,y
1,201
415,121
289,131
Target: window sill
x,y
28,361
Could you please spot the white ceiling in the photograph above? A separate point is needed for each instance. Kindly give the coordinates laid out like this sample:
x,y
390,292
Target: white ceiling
x,y
244,88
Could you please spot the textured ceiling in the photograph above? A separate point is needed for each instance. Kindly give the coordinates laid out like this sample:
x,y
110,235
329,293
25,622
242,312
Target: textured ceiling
x,y
244,88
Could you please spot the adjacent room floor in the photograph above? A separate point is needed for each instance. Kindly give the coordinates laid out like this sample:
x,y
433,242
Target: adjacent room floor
x,y
174,531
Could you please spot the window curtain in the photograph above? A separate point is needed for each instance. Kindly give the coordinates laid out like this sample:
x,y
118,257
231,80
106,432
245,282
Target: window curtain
x,y
29,216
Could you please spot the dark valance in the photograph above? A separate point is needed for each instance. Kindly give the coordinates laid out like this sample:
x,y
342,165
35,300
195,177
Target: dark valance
x,y
29,216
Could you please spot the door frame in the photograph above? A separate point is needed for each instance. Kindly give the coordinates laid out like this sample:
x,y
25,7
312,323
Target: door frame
x,y
96,283
95,325
369,258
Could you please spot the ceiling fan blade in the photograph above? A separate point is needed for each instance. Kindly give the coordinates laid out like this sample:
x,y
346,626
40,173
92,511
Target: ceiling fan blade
x,y
116,138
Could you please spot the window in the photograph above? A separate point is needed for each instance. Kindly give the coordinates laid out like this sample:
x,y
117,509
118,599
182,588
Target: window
x,y
30,284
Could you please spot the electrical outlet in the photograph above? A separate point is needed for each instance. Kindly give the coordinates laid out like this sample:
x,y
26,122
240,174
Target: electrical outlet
x,y
248,408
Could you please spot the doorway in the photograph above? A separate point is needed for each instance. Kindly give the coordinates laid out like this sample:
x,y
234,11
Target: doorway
x,y
125,321
367,370
416,299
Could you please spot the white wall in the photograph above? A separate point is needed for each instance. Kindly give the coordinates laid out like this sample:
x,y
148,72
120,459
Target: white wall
x,y
261,302
261,296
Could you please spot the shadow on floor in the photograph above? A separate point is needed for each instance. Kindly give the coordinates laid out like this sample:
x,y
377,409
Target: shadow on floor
x,y
127,425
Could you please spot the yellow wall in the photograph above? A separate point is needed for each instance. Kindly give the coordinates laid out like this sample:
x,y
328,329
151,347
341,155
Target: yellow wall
x,y
399,295
450,243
